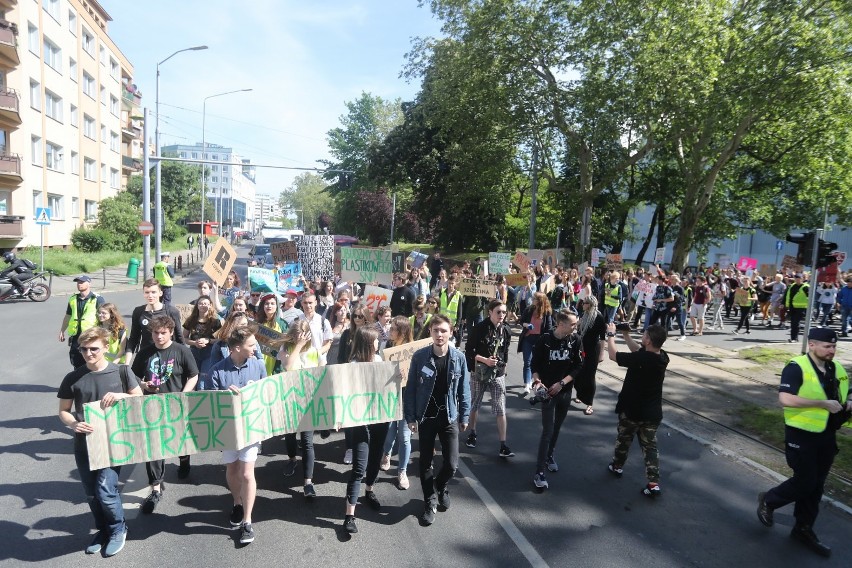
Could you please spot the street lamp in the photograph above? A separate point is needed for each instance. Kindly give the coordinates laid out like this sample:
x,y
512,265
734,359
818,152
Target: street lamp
x,y
203,151
158,196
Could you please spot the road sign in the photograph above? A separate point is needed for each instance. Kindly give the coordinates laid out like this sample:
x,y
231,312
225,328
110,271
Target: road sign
x,y
42,216
145,228
779,245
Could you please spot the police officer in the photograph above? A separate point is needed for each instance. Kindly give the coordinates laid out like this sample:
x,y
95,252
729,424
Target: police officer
x,y
80,315
164,273
796,301
814,393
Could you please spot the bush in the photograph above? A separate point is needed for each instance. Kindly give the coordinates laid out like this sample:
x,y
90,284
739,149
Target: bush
x,y
92,240
172,231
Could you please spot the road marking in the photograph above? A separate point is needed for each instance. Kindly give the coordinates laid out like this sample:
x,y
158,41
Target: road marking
x,y
500,515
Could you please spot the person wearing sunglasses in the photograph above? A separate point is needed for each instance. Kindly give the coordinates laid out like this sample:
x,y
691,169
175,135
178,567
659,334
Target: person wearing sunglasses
x,y
487,351
97,380
361,316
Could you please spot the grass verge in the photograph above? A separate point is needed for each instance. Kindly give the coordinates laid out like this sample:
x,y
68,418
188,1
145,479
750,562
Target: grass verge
x,y
766,355
73,261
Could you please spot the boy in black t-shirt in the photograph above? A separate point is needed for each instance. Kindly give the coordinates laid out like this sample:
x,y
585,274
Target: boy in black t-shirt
x,y
164,366
640,402
97,380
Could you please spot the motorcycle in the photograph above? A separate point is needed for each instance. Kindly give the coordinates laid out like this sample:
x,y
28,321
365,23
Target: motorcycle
x,y
36,288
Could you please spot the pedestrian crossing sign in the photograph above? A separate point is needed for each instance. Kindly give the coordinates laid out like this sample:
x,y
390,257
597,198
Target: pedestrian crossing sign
x,y
42,216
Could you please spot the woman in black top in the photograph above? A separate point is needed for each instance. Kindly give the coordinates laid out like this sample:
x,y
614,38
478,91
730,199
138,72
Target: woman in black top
x,y
592,331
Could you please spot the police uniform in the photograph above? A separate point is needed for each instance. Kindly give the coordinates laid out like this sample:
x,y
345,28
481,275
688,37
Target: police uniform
x,y
810,441
163,273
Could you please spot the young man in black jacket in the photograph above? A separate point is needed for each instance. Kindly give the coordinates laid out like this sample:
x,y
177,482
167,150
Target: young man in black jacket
x,y
486,351
556,361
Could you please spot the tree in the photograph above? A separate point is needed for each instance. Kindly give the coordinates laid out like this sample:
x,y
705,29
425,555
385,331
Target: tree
x,y
181,184
120,216
309,196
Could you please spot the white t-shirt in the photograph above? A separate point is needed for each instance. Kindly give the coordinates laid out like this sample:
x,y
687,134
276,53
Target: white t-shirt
x,y
320,333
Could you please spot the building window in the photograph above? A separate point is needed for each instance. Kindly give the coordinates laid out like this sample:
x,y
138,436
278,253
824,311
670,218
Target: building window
x,y
36,151
75,207
88,43
103,172
104,133
113,178
113,105
52,55
215,168
88,127
103,56
72,22
215,156
52,8
113,68
195,155
75,163
114,143
91,210
52,106
35,95
72,68
5,201
74,118
89,85
224,168
183,154
103,95
36,201
215,179
53,157
33,40
89,171
54,202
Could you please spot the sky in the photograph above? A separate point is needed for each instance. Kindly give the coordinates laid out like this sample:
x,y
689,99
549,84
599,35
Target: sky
x,y
303,61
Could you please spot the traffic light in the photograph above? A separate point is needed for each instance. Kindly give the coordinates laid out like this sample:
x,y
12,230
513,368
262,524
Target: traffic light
x,y
824,256
806,246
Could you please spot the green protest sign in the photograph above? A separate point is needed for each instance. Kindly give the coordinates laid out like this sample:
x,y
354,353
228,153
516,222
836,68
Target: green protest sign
x,y
366,265
161,426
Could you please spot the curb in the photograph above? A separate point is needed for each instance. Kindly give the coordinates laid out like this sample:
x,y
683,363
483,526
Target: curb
x,y
129,287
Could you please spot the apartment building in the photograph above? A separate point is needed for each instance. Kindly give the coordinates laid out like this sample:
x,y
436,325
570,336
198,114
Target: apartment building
x,y
267,207
231,186
65,117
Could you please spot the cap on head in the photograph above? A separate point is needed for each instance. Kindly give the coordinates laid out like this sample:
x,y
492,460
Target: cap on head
x,y
799,275
268,297
822,334
292,292
83,278
164,254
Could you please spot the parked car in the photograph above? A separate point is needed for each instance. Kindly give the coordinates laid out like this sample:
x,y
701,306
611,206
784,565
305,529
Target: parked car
x,y
257,255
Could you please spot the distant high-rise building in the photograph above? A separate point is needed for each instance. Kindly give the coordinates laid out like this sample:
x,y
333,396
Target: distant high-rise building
x,y
66,102
267,208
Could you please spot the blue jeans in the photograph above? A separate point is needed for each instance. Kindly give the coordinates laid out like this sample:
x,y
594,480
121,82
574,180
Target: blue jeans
x,y
680,314
609,313
845,314
527,346
102,492
399,433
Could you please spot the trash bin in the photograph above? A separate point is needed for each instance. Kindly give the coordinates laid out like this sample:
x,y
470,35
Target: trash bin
x,y
133,269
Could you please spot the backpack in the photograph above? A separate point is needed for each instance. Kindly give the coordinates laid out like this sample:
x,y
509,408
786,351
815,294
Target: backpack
x,y
557,298
28,263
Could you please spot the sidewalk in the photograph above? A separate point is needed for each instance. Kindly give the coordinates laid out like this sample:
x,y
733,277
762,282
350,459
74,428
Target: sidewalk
x,y
114,279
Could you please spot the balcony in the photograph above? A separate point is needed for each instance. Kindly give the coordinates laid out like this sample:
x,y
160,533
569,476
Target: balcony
x,y
10,105
130,163
134,99
10,169
9,41
11,227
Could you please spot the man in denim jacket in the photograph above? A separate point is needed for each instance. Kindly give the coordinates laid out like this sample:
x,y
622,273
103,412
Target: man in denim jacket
x,y
437,404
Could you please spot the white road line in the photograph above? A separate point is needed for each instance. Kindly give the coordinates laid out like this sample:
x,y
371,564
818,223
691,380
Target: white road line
x,y
500,515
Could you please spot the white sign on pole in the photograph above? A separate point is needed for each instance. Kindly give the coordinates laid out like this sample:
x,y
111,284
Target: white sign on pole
x,y
659,255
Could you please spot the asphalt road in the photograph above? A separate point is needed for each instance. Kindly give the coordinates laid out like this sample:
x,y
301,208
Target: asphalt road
x,y
706,516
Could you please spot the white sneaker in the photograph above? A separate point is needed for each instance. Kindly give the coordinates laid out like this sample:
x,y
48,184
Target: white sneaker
x,y
385,464
681,338
402,481
527,389
347,457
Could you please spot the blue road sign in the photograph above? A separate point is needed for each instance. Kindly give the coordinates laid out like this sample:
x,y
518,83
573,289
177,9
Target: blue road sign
x,y
42,216
779,245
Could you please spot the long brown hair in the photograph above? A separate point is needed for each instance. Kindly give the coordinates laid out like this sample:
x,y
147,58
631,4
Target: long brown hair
x,y
403,330
336,307
360,311
116,323
364,344
232,322
196,316
541,305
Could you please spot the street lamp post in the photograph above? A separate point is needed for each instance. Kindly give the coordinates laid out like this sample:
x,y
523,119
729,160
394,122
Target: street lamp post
x,y
203,151
158,196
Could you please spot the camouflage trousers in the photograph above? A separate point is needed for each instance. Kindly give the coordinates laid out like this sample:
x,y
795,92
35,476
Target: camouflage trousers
x,y
647,434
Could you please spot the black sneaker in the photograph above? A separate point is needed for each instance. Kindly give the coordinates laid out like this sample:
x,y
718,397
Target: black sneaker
x,y
373,501
616,471
505,452
246,534
428,516
325,434
290,467
764,513
444,499
183,468
806,536
96,544
551,464
652,490
471,440
349,524
152,500
236,516
540,481
310,492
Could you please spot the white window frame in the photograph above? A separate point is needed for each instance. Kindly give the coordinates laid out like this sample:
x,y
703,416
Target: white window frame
x,y
55,203
75,207
72,22
89,86
74,116
37,202
37,150
88,42
114,141
52,8
53,157
113,105
33,40
52,106
72,68
89,169
91,209
75,163
89,127
35,95
52,55
114,179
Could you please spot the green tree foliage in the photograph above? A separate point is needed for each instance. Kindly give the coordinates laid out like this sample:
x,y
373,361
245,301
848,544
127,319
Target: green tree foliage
x,y
308,194
119,216
181,191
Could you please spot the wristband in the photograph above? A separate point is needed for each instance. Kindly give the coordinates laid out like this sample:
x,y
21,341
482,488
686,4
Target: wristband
x,y
610,334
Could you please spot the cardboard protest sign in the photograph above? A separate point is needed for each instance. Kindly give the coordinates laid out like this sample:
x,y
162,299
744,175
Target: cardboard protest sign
x,y
768,270
316,254
746,263
366,265
499,262
262,280
221,260
521,260
268,340
516,279
375,297
790,263
398,261
582,267
550,257
659,255
285,251
614,262
161,426
403,354
288,277
474,287
185,310
596,256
